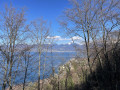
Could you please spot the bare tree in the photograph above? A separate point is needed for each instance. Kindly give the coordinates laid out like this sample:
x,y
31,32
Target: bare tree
x,y
40,31
26,56
90,20
93,20
11,29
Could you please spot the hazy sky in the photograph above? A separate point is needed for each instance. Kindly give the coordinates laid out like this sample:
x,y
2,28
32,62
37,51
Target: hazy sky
x,y
49,9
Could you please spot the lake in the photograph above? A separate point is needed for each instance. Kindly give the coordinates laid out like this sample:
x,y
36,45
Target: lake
x,y
50,60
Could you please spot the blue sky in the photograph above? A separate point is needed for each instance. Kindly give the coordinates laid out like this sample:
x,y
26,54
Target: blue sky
x,y
50,10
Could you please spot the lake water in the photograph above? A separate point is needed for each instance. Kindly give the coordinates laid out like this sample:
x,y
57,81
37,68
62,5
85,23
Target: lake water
x,y
54,59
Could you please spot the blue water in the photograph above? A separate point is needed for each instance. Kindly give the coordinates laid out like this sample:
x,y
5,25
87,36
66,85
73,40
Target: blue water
x,y
51,60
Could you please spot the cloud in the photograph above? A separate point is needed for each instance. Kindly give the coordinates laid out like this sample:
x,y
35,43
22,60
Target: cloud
x,y
77,42
59,39
76,38
54,37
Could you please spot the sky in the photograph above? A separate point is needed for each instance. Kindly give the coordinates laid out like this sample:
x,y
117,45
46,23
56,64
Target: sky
x,y
50,10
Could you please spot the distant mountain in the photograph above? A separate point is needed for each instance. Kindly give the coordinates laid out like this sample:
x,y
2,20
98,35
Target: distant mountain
x,y
58,47
47,47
